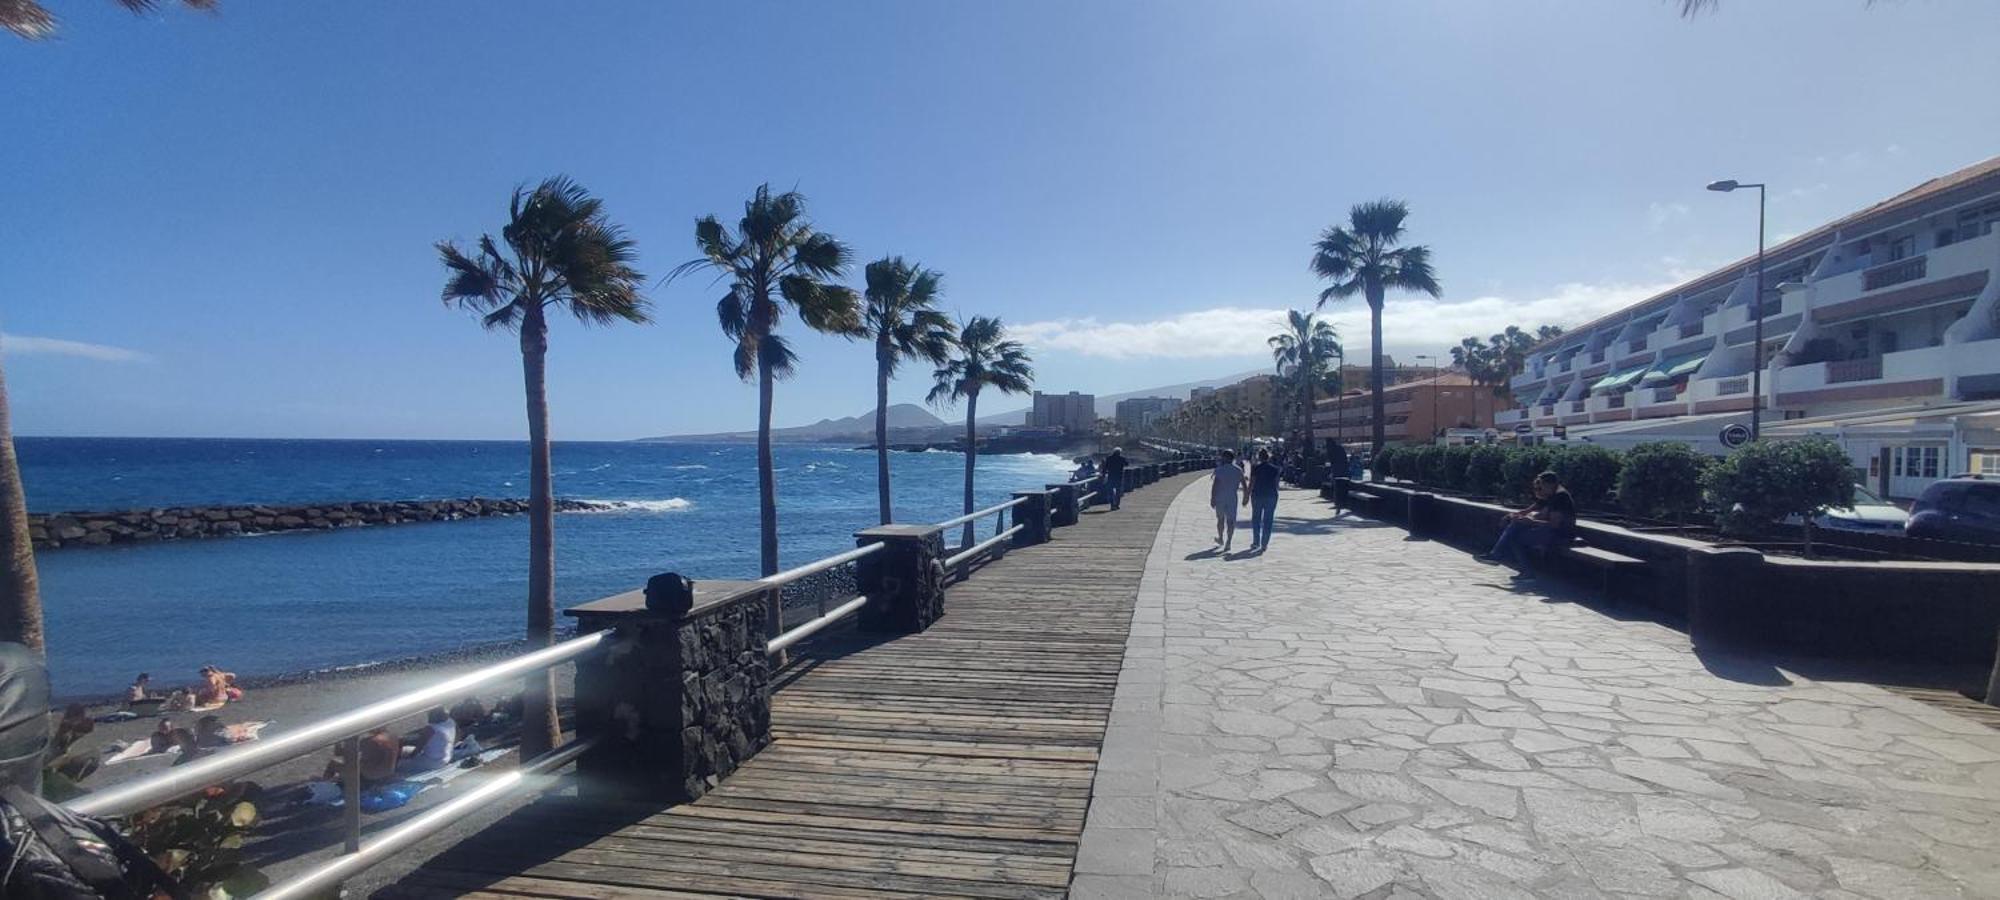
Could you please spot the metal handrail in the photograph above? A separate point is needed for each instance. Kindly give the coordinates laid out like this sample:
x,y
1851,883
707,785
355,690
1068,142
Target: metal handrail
x,y
243,759
813,568
984,512
981,547
1085,499
330,874
805,630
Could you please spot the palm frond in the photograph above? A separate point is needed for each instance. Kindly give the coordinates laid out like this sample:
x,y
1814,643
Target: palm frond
x,y
1409,269
829,308
1379,222
775,353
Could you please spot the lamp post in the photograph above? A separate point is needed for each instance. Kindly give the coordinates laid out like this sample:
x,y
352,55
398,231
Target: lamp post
x,y
1434,393
1756,308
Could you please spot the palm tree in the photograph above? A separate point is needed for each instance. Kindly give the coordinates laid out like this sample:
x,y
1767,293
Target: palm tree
x,y
986,359
902,315
562,253
773,255
20,597
1362,257
1302,352
31,20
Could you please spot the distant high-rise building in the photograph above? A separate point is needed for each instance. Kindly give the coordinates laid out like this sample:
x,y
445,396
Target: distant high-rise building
x,y
1139,413
1200,392
1073,412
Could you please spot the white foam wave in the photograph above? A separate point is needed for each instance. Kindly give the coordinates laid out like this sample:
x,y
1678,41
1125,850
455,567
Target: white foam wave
x,y
689,466
671,504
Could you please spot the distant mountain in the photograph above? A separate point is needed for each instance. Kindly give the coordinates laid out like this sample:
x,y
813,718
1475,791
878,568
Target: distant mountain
x,y
1107,404
901,416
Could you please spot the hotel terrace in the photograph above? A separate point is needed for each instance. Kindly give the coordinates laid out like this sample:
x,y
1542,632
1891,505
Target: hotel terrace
x,y
1881,330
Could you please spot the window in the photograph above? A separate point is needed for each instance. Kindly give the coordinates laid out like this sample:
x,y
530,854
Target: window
x,y
1903,247
1931,455
1985,462
1916,462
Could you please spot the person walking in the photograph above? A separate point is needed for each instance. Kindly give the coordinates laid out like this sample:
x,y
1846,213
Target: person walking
x,y
1114,476
1225,486
1263,500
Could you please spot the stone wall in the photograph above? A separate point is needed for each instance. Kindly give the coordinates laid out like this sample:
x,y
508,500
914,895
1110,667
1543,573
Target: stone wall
x,y
680,702
95,529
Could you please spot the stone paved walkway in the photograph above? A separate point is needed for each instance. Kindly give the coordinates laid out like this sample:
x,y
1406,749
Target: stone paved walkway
x,y
1355,713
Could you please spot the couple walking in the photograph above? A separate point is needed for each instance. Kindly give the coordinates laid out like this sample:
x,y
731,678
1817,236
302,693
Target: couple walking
x,y
1226,490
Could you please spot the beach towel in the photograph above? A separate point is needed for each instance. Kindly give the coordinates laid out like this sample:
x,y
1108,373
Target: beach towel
x,y
394,794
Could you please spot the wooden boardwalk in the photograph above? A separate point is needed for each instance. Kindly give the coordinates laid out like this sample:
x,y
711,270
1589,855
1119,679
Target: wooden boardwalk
x,y
953,763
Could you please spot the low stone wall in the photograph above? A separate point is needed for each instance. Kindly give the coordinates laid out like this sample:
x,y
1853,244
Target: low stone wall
x,y
1905,611
95,529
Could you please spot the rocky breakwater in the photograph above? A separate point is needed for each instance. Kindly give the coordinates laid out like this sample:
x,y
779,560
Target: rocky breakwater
x,y
96,529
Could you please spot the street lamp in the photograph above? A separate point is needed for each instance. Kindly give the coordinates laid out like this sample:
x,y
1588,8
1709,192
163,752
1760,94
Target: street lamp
x,y
1434,394
1756,307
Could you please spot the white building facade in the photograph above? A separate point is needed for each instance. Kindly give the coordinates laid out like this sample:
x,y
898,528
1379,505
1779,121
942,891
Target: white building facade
x,y
1889,316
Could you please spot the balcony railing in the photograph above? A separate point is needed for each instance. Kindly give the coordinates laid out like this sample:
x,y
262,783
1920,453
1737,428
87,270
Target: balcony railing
x,y
1596,356
1576,406
1846,370
1692,329
1567,364
1893,273
1728,386
1548,409
1665,395
1615,401
1638,345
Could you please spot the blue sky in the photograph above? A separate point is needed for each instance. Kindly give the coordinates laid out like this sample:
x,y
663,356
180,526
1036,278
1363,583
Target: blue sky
x,y
221,224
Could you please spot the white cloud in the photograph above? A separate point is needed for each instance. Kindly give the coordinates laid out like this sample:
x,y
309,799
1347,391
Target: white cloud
x,y
1407,322
27,345
1658,215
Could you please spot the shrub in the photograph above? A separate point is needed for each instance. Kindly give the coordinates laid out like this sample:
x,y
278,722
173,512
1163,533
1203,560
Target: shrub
x,y
1520,469
1430,466
1482,470
1588,471
1385,463
1760,484
1456,458
1404,465
1662,480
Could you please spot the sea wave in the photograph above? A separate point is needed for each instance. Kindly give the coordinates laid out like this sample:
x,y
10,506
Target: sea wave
x,y
671,504
689,466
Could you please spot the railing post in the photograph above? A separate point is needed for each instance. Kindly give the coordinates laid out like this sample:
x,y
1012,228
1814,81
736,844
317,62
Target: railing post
x,y
682,701
904,581
1065,511
1033,517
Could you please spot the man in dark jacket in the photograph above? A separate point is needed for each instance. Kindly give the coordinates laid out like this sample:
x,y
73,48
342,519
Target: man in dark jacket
x,y
1114,475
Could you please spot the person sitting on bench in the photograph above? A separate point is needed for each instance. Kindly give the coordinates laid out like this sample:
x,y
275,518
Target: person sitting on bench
x,y
1548,522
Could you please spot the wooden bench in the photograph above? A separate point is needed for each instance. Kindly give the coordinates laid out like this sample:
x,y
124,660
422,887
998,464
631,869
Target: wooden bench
x,y
1606,562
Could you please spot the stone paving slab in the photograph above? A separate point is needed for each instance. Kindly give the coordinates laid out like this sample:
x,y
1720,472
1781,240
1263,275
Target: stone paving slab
x,y
1355,713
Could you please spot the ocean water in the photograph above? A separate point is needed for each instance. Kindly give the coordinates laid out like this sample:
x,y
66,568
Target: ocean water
x,y
291,602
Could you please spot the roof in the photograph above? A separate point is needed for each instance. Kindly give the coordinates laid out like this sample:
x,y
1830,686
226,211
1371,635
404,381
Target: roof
x,y
1447,378
1971,180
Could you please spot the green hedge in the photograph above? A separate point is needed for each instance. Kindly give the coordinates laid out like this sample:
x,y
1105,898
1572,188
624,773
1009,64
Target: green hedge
x,y
1760,484
1662,481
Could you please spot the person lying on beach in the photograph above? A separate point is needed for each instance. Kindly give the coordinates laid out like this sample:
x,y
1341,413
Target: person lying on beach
x,y
159,742
210,732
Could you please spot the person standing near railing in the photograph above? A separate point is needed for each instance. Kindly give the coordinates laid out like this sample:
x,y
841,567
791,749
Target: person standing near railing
x,y
1224,489
1114,476
1263,500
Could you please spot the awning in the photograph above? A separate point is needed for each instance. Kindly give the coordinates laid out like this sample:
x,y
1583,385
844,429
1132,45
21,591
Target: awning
x,y
1674,367
1619,379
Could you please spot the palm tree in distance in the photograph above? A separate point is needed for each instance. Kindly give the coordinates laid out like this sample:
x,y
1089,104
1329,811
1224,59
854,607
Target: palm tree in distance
x,y
561,253
986,359
1362,257
20,595
901,314
1303,351
31,20
772,260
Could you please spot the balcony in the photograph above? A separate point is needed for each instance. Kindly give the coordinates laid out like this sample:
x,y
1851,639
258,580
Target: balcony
x,y
1849,370
1576,406
1596,356
1509,417
1615,401
1638,345
1941,274
1567,364
1897,272
1920,372
1692,329
1725,387
1663,395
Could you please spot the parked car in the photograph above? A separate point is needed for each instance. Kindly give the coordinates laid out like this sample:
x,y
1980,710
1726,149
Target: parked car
x,y
1869,513
1965,508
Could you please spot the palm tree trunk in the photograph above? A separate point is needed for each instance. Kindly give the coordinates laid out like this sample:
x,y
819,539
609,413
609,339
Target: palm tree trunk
x,y
767,486
971,455
1375,403
540,729
882,434
20,596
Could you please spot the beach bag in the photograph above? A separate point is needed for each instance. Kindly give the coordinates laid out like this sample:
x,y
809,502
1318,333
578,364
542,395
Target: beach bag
x,y
671,593
56,854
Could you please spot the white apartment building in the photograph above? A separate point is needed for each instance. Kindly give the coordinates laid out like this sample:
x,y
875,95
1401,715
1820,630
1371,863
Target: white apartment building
x,y
1881,330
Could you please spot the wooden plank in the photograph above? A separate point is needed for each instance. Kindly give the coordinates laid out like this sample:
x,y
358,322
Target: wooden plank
x,y
953,763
